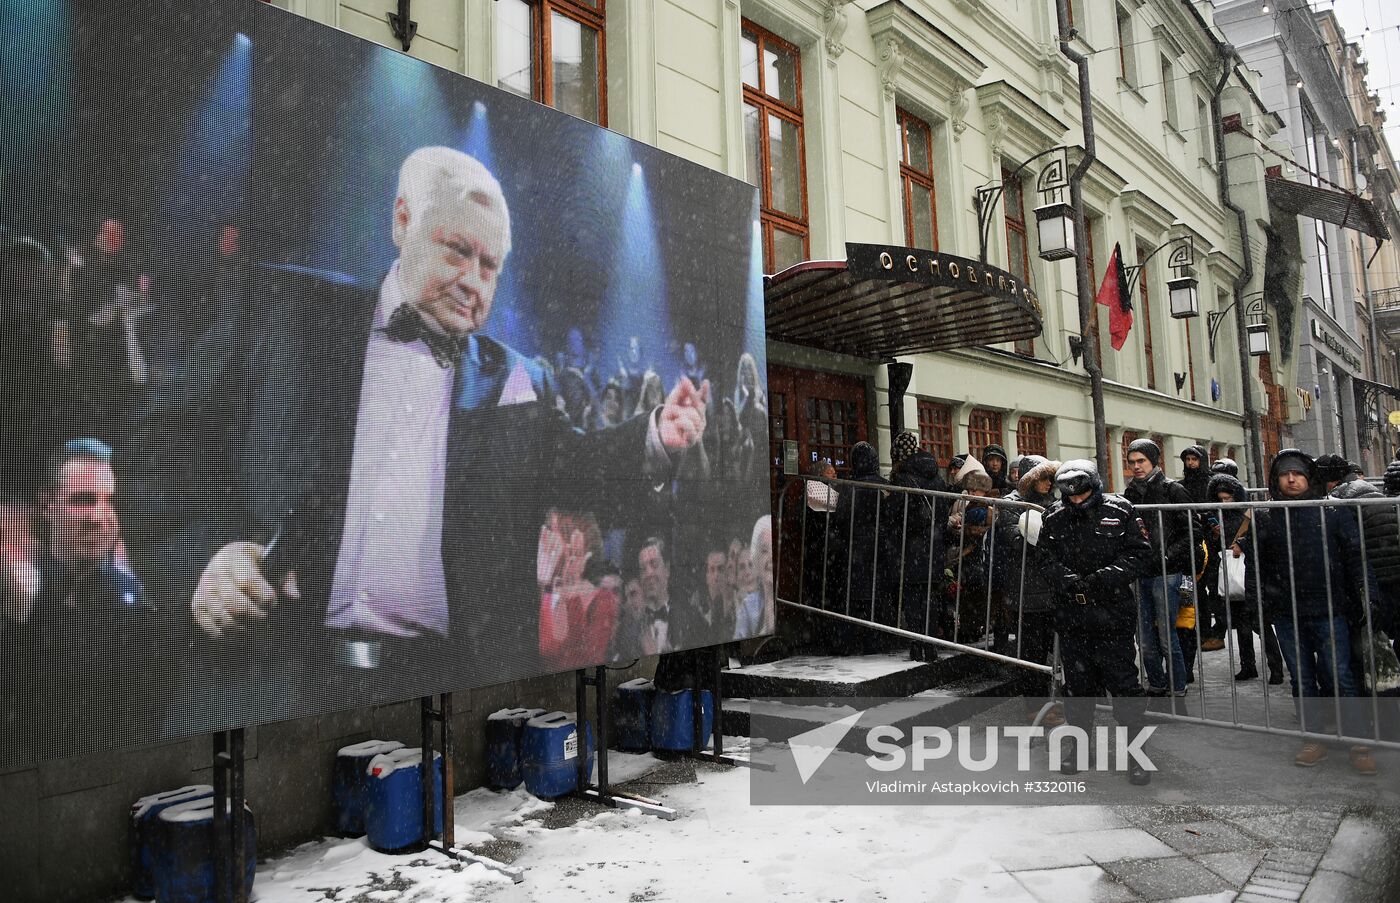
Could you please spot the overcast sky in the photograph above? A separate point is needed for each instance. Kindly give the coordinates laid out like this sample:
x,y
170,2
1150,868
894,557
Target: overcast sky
x,y
1376,25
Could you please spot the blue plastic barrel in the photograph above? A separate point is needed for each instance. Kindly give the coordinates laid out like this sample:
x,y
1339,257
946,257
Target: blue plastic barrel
x,y
632,715
673,723
349,783
184,861
549,751
503,730
394,800
144,830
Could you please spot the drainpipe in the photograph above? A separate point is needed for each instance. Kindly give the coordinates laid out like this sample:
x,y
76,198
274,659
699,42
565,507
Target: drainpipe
x,y
1087,314
1251,416
1375,356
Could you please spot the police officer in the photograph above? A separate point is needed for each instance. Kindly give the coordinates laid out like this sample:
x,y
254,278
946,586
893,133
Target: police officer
x,y
1094,548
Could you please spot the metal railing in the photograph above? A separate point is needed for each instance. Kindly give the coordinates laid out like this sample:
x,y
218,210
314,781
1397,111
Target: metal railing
x,y
1386,298
855,565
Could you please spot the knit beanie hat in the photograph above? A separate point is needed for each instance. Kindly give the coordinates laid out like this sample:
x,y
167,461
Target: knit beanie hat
x,y
904,446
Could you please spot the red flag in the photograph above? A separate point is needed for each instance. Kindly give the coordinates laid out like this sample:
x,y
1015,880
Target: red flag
x,y
1113,294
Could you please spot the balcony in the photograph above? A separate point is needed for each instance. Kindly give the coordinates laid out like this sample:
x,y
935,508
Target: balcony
x,y
1386,303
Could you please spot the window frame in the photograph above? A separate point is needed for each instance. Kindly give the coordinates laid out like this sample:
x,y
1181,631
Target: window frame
x,y
908,175
590,16
770,218
985,423
1016,225
1033,436
1171,112
1127,60
937,432
1206,138
1145,299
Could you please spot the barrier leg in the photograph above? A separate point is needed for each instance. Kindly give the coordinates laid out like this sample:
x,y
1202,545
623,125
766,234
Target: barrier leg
x,y
602,792
230,845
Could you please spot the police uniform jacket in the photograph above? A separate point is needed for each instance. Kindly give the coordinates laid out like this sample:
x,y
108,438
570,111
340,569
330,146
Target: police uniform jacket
x,y
1093,554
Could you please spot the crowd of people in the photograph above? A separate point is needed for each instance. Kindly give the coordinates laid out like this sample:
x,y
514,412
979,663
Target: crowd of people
x,y
1134,585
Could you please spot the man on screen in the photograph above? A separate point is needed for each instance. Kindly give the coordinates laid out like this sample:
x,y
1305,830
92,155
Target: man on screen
x,y
72,630
402,459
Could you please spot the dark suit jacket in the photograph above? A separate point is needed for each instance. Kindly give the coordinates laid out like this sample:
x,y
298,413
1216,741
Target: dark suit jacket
x,y
256,432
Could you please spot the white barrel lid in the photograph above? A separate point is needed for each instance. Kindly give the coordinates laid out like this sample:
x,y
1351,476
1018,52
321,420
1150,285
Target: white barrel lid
x,y
553,719
369,748
637,683
190,792
193,811
382,766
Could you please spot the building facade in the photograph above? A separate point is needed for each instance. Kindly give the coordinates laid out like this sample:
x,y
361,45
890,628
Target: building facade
x,y
1308,74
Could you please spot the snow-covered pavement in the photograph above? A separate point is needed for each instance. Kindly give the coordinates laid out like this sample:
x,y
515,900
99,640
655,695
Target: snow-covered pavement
x,y
721,847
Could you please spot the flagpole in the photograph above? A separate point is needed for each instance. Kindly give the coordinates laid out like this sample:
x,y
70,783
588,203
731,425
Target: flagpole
x,y
1087,313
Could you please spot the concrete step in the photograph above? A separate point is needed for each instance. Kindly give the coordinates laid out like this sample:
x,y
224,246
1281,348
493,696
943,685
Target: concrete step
x,y
888,674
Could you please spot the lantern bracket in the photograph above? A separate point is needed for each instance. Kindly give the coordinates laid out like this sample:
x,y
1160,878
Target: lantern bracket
x,y
1053,179
1253,308
1182,259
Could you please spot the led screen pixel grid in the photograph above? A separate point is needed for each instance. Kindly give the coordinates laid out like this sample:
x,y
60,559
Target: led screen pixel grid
x,y
237,488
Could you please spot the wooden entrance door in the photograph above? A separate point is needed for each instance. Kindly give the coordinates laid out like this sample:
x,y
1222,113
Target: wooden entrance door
x,y
824,413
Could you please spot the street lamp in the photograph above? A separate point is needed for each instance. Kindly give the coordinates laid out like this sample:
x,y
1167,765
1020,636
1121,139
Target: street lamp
x,y
1185,302
1055,228
1258,339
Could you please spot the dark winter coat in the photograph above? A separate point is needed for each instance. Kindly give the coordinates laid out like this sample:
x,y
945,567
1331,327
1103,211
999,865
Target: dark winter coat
x,y
1171,531
1093,554
1311,553
915,524
1229,519
1032,583
856,527
1382,530
1000,481
1197,482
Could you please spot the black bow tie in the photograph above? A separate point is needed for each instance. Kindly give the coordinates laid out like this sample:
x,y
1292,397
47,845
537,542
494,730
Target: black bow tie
x,y
407,325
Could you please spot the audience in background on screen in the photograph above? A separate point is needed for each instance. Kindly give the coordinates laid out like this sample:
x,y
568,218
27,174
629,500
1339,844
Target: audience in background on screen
x,y
756,612
654,568
611,411
652,389
691,365
579,603
750,401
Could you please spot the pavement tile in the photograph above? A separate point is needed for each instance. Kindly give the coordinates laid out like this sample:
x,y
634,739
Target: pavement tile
x,y
999,886
1225,896
1266,875
1301,829
1335,887
1208,837
1287,894
1286,859
1357,847
1235,867
1085,848
1085,884
1166,878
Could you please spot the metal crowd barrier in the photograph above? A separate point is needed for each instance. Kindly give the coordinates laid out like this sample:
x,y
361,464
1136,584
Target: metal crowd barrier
x,y
838,546
951,604
1245,712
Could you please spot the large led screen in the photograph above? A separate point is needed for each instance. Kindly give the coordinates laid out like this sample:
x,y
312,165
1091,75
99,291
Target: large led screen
x,y
332,378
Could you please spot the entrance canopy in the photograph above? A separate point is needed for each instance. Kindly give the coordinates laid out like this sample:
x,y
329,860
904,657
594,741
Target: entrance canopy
x,y
1340,208
883,301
